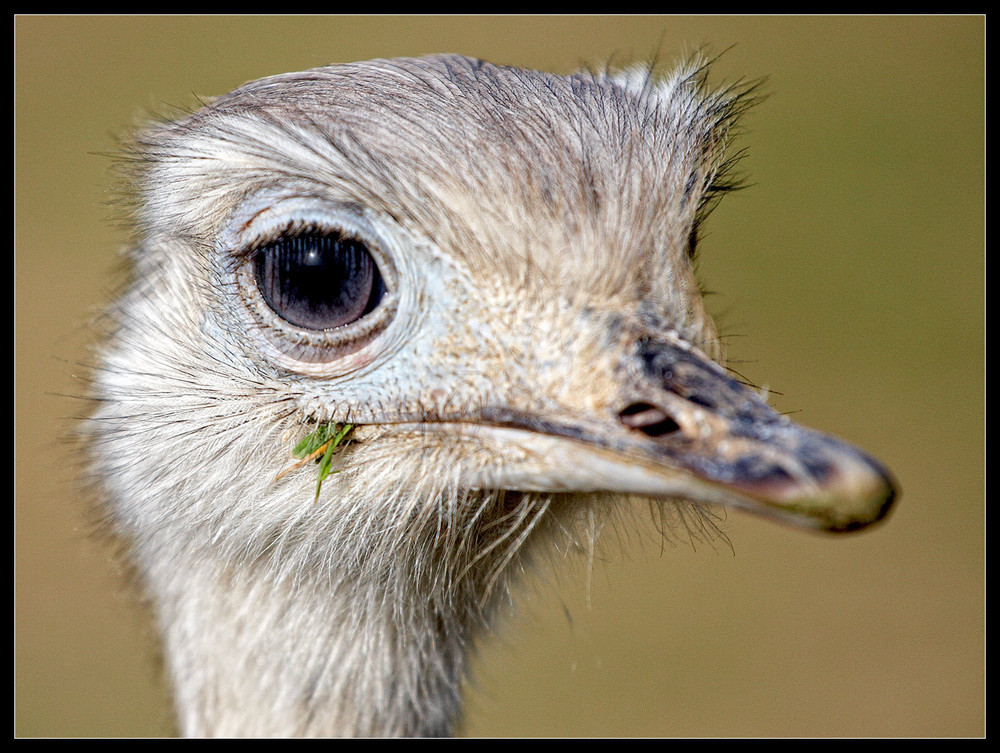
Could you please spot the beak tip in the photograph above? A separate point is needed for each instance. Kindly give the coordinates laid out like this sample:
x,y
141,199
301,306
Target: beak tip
x,y
844,489
869,496
883,499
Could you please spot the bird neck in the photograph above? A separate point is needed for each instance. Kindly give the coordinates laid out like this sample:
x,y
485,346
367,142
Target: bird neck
x,y
252,654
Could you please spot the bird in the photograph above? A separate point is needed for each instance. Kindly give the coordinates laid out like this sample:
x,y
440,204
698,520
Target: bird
x,y
394,330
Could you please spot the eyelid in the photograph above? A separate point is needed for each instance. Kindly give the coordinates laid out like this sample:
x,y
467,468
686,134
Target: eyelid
x,y
292,227
266,217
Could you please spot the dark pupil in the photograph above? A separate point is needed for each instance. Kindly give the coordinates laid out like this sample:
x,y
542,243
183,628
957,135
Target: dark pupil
x,y
318,281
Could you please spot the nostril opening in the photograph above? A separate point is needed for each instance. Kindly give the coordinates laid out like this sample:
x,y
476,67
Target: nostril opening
x,y
650,420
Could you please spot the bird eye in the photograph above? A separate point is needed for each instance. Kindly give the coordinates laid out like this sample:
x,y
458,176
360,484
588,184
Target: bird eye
x,y
318,281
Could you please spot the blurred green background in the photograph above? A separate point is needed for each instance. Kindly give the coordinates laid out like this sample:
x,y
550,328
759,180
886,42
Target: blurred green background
x,y
850,276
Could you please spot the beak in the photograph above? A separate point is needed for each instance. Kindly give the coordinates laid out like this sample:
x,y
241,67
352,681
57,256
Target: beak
x,y
683,428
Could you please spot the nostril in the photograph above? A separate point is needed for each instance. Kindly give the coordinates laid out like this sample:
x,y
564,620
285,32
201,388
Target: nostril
x,y
650,420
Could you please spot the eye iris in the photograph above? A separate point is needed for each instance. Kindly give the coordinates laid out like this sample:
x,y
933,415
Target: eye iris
x,y
318,281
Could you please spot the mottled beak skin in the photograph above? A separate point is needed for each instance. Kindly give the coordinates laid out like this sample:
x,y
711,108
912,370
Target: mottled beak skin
x,y
685,428
689,413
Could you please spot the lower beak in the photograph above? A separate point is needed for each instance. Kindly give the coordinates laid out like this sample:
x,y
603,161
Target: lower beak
x,y
685,429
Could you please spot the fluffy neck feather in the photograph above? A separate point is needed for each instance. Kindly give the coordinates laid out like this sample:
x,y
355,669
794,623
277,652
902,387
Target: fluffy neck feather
x,y
255,655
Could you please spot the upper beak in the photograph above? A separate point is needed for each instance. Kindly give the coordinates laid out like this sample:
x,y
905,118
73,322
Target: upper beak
x,y
684,428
